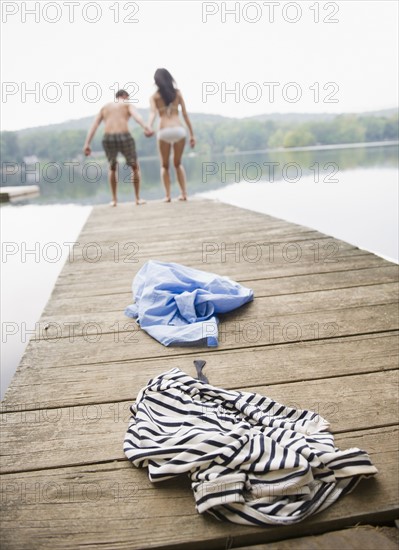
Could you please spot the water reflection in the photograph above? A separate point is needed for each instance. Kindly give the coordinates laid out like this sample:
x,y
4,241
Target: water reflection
x,y
86,183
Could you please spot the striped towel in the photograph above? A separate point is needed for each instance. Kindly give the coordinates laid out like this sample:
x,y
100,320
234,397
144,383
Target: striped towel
x,y
251,460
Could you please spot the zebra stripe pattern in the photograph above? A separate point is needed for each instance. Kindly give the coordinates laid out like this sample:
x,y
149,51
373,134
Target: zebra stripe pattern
x,y
251,460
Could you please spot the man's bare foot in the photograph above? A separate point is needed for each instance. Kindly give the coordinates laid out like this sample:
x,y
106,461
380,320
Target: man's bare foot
x,y
112,203
182,198
140,201
167,199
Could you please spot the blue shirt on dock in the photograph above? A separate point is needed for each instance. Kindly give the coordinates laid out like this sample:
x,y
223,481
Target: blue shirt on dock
x,y
176,304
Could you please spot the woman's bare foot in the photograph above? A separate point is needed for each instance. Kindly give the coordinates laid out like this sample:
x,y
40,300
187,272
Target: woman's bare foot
x,y
167,199
112,203
182,198
140,201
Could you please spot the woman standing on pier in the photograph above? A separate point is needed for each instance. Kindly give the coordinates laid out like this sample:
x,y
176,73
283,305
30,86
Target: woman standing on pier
x,y
165,102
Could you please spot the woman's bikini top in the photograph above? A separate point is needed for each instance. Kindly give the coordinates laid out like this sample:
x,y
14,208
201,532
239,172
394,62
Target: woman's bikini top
x,y
168,109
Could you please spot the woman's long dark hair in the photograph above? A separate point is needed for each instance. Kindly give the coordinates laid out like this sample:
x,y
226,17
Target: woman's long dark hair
x,y
166,85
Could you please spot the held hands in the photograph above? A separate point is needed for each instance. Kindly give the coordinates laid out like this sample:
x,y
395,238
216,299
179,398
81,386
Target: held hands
x,y
148,132
87,150
192,142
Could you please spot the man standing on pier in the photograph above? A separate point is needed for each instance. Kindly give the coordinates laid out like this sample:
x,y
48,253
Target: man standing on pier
x,y
118,139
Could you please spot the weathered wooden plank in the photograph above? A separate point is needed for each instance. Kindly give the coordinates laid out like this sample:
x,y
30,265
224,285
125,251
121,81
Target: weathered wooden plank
x,y
120,278
262,287
145,229
12,193
41,385
107,282
300,259
114,505
250,246
365,537
94,346
94,433
161,215
145,225
261,310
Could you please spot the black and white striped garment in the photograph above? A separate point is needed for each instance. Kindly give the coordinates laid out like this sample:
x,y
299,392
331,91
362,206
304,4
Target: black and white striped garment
x,y
250,459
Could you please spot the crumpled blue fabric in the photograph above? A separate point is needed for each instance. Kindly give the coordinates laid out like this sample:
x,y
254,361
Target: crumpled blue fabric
x,y
176,304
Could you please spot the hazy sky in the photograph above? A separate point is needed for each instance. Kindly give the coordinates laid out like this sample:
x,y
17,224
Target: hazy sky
x,y
345,66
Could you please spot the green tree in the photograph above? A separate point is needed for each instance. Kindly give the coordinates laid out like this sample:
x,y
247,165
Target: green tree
x,y
277,138
9,147
299,137
374,127
391,129
349,129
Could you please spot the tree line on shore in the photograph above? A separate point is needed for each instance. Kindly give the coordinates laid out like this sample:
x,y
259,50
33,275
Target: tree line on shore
x,y
213,137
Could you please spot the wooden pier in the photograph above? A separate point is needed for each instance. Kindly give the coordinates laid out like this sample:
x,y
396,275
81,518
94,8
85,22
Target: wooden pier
x,y
19,192
321,333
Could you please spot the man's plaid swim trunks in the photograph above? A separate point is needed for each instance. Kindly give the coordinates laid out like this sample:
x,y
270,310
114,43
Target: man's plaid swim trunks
x,y
120,143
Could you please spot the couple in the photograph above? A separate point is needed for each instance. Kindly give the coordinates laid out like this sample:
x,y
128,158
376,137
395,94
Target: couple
x,y
117,138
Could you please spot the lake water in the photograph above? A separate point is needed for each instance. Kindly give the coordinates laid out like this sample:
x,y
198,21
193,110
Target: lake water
x,y
33,255
349,193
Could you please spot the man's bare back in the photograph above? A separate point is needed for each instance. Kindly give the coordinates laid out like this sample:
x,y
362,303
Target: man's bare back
x,y
116,117
117,139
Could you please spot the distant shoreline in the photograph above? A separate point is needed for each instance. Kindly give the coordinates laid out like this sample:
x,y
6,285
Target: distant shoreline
x,y
318,147
333,146
304,148
291,117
